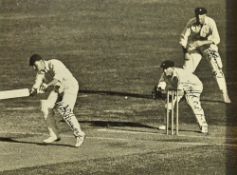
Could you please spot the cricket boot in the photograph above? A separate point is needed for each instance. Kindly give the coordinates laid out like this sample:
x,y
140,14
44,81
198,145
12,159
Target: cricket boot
x,y
80,139
204,128
226,98
53,131
52,139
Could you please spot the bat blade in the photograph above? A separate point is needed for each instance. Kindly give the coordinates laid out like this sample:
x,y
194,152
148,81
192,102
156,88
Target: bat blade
x,y
15,93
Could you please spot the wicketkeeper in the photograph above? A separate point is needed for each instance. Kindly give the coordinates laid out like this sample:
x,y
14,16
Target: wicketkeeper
x,y
199,39
186,84
53,73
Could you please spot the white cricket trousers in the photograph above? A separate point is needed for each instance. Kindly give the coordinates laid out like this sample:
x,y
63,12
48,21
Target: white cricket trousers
x,y
64,104
193,100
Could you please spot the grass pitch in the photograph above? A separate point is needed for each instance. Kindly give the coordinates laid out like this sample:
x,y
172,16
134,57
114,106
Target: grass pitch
x,y
114,47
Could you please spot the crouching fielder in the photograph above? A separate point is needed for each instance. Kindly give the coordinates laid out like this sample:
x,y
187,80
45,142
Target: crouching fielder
x,y
62,98
186,84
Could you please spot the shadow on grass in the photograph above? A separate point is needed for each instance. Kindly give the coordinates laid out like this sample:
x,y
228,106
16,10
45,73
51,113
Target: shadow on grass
x,y
136,95
129,126
117,124
116,93
121,124
13,140
133,127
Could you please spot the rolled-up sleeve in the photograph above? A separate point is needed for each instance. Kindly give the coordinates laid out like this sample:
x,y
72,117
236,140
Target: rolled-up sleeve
x,y
185,35
215,37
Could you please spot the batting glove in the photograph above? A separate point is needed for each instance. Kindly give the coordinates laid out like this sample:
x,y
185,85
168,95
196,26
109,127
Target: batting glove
x,y
33,92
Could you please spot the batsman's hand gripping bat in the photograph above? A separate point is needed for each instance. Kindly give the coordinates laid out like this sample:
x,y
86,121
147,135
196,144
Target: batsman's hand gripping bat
x,y
15,93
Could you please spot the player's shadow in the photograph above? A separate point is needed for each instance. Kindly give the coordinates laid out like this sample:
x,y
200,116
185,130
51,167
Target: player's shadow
x,y
132,126
136,95
116,93
122,125
14,140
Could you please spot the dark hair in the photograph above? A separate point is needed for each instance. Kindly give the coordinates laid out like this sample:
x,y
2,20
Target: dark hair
x,y
34,58
200,11
166,64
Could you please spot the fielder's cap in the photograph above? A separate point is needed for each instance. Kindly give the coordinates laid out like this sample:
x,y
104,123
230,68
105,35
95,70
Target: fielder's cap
x,y
34,58
166,64
200,11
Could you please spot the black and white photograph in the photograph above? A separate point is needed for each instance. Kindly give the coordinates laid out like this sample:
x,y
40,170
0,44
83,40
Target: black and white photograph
x,y
122,87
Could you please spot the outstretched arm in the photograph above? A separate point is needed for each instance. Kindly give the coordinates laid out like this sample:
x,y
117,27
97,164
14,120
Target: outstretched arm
x,y
185,35
38,82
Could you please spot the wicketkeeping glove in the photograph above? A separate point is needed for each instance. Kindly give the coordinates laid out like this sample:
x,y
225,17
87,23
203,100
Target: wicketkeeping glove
x,y
158,94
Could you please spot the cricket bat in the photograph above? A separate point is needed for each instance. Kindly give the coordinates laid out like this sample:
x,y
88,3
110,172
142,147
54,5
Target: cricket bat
x,y
15,93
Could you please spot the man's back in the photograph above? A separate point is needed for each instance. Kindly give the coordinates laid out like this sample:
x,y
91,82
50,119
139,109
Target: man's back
x,y
187,81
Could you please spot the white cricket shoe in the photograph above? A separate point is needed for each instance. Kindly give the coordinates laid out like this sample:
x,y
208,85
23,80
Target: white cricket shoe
x,y
162,127
226,98
204,129
80,139
52,139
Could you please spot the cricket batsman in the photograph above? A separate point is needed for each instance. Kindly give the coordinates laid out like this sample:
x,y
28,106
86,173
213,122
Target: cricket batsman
x,y
199,39
188,85
62,97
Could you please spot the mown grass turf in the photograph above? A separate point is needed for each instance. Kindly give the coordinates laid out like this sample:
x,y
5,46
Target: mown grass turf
x,y
196,160
113,46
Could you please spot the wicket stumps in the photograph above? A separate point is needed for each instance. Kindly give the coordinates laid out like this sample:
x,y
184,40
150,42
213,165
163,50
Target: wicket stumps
x,y
172,112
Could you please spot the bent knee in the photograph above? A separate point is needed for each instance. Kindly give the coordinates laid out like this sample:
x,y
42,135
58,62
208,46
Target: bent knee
x,y
63,109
